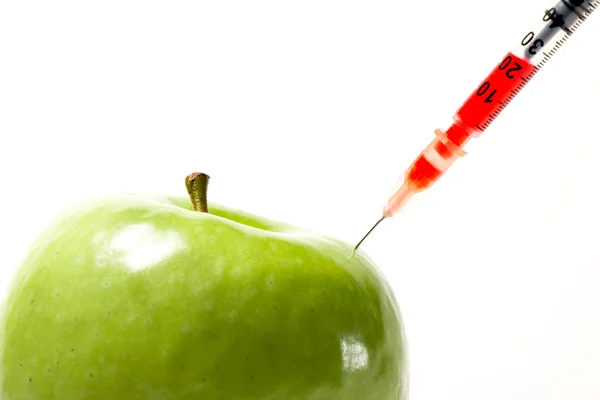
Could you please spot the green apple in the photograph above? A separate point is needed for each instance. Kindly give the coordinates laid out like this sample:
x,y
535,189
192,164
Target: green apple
x,y
132,297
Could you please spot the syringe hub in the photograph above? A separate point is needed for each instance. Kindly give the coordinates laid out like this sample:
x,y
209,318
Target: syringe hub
x,y
398,200
431,164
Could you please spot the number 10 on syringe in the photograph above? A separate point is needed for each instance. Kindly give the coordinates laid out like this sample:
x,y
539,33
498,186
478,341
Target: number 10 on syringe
x,y
510,75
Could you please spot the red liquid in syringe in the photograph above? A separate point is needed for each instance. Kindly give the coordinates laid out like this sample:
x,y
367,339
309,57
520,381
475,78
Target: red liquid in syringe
x,y
474,116
471,119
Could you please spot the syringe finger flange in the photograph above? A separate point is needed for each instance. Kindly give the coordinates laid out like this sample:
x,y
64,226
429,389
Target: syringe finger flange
x,y
442,152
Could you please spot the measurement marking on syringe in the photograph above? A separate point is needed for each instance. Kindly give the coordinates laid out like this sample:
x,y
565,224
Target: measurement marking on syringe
x,y
567,30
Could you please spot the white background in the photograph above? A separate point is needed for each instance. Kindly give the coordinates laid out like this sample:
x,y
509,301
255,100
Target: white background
x,y
309,112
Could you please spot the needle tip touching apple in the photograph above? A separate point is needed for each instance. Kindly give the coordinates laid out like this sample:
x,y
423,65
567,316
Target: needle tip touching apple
x,y
141,297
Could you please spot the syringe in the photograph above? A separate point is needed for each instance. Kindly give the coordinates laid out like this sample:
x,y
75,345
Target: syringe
x,y
508,77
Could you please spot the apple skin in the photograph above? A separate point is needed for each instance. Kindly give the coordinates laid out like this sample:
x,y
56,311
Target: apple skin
x,y
132,297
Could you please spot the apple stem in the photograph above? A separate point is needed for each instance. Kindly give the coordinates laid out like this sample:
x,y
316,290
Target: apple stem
x,y
197,186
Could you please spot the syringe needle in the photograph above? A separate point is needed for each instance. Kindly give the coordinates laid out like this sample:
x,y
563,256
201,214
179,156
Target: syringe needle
x,y
368,233
482,107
